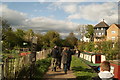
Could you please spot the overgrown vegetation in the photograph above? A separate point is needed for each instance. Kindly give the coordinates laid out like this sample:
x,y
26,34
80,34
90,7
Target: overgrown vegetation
x,y
81,70
12,39
41,66
108,48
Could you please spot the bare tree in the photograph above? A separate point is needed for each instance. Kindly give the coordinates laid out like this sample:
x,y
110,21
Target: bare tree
x,y
81,31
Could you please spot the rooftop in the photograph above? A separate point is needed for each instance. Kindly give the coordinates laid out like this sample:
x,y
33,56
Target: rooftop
x,y
101,24
118,25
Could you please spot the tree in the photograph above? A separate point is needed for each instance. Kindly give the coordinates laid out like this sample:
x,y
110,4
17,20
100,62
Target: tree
x,y
5,27
20,37
71,40
81,31
51,38
90,32
7,35
4,23
89,46
39,41
28,35
81,46
9,41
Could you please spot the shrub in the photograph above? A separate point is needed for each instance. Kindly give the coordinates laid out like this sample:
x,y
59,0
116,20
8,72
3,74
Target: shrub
x,y
40,67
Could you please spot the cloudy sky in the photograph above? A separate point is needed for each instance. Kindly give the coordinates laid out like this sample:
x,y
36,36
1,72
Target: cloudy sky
x,y
61,16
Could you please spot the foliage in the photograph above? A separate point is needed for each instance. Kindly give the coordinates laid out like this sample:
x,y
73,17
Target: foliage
x,y
111,52
28,35
71,40
51,38
40,68
81,70
106,46
39,41
10,40
89,46
81,46
19,35
90,32
16,38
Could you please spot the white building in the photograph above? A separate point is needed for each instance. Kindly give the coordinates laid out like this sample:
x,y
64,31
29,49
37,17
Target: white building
x,y
85,39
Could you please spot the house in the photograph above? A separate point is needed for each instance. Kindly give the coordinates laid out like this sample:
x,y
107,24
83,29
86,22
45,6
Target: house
x,y
113,33
100,31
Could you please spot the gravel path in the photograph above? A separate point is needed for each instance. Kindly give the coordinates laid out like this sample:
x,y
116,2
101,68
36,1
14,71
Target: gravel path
x,y
59,75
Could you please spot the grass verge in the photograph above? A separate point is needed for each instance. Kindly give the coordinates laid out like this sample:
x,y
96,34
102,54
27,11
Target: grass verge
x,y
81,70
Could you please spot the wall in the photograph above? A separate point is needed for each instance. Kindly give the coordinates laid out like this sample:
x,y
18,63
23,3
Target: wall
x,y
113,27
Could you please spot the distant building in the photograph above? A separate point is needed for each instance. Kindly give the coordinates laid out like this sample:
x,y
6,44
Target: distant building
x,y
85,39
100,31
113,33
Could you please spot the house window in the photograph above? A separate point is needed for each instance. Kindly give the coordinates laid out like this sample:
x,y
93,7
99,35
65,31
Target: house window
x,y
99,33
97,28
102,29
98,58
113,38
112,32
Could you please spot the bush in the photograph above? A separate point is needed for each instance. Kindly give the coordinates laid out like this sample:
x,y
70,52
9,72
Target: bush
x,y
40,67
89,46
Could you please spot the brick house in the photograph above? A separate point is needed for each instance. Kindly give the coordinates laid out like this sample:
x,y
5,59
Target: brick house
x,y
100,31
113,33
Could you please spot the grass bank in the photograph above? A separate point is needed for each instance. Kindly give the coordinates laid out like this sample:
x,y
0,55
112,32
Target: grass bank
x,y
81,70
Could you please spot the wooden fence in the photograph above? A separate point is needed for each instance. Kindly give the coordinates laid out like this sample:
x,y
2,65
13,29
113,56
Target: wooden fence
x,y
11,66
42,54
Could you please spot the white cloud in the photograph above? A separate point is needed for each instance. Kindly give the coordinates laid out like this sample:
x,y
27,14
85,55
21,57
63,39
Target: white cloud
x,y
55,6
51,24
20,20
35,10
13,17
59,0
71,8
97,12
92,12
87,0
63,35
74,16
